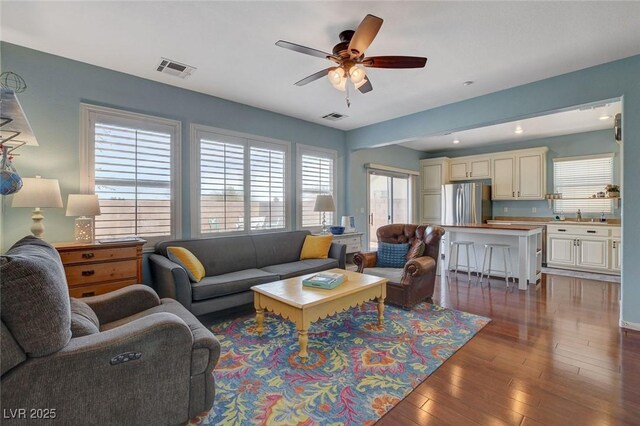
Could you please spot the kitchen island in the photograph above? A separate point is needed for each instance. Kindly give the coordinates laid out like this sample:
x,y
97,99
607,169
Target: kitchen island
x,y
525,242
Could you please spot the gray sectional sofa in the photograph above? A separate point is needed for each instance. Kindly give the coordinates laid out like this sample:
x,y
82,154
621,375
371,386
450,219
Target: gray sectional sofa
x,y
233,265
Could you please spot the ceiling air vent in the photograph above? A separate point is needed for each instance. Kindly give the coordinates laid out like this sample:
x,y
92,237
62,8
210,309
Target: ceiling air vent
x,y
334,116
174,68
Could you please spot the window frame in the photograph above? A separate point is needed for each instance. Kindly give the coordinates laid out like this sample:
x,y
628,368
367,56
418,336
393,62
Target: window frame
x,y
302,149
88,118
585,205
248,140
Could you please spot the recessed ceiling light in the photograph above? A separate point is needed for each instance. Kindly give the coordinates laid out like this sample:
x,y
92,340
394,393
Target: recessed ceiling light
x,y
456,141
468,83
518,130
604,117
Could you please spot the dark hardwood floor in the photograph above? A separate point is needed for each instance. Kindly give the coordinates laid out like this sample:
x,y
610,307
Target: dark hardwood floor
x,y
553,354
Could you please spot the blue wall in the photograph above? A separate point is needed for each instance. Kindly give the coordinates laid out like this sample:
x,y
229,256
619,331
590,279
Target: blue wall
x,y
619,79
598,142
57,86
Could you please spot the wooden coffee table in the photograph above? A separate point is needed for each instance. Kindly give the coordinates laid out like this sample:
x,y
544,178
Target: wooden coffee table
x,y
303,305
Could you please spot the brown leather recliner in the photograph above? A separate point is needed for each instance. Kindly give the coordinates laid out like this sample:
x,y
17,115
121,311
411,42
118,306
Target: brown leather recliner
x,y
415,282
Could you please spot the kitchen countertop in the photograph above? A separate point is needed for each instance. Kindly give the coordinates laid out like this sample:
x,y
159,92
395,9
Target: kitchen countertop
x,y
551,222
501,226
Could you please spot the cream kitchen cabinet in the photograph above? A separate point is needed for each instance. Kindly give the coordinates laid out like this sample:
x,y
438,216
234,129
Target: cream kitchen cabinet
x,y
519,175
466,168
616,250
616,255
583,247
561,250
434,172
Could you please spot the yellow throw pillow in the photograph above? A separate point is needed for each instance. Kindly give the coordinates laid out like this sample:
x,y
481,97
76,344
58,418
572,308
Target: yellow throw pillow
x,y
188,261
316,247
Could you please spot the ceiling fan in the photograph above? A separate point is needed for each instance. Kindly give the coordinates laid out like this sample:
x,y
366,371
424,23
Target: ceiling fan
x,y
350,59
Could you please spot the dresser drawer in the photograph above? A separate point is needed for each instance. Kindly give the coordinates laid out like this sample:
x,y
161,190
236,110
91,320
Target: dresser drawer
x,y
98,254
352,243
95,273
94,290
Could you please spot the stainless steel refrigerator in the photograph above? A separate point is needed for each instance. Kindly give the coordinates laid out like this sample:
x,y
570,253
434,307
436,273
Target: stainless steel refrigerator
x,y
465,203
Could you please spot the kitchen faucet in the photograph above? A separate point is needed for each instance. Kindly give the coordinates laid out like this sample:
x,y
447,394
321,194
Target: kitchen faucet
x,y
579,216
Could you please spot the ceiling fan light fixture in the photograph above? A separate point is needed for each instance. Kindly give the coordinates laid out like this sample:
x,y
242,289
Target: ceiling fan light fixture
x,y
336,75
357,75
341,85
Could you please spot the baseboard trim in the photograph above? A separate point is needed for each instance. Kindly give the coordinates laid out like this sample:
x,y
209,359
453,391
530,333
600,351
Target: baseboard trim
x,y
630,325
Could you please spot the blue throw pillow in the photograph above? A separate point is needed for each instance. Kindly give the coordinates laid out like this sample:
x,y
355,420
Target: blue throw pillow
x,y
392,255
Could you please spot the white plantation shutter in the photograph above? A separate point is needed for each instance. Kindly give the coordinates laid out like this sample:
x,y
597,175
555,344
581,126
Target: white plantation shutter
x,y
267,188
317,176
129,163
243,183
578,178
221,186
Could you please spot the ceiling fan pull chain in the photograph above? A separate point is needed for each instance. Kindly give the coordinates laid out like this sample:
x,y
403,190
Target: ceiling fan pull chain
x,y
347,97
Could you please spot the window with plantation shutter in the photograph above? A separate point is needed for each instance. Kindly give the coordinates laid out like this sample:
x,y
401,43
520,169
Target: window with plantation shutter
x,y
578,179
241,183
267,167
130,162
221,186
316,175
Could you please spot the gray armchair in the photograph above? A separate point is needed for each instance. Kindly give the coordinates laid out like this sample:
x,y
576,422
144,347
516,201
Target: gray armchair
x,y
126,357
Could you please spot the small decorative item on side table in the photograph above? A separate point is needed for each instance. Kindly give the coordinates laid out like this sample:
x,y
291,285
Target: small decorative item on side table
x,y
96,268
83,205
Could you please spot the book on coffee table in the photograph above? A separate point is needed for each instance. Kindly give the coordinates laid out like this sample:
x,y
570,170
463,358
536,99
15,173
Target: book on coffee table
x,y
326,280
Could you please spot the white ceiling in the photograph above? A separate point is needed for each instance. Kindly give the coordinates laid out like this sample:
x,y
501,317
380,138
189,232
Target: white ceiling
x,y
496,44
585,119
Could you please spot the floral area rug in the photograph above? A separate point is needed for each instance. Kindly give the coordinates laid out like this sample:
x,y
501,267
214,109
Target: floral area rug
x,y
356,371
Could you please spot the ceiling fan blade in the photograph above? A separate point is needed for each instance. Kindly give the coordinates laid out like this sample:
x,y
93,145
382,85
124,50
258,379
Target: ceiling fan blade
x,y
364,35
303,49
367,87
313,77
394,62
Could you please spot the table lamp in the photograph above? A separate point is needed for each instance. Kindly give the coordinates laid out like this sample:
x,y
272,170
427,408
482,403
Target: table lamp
x,y
83,205
324,203
38,193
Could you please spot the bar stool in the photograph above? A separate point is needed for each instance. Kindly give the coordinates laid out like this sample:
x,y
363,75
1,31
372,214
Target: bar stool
x,y
466,244
506,254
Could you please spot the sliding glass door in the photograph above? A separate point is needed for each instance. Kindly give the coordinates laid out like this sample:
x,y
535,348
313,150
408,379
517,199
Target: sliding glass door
x,y
389,202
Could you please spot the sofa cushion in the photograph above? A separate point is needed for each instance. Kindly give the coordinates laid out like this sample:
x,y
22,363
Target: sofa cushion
x,y
231,283
392,274
391,255
188,261
218,255
206,348
11,353
301,267
316,247
35,298
83,320
279,247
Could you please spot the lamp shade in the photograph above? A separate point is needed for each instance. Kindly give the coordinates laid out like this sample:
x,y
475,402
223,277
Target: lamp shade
x,y
38,192
324,203
83,205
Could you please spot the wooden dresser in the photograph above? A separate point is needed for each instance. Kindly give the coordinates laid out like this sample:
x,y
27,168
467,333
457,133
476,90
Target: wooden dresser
x,y
96,268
